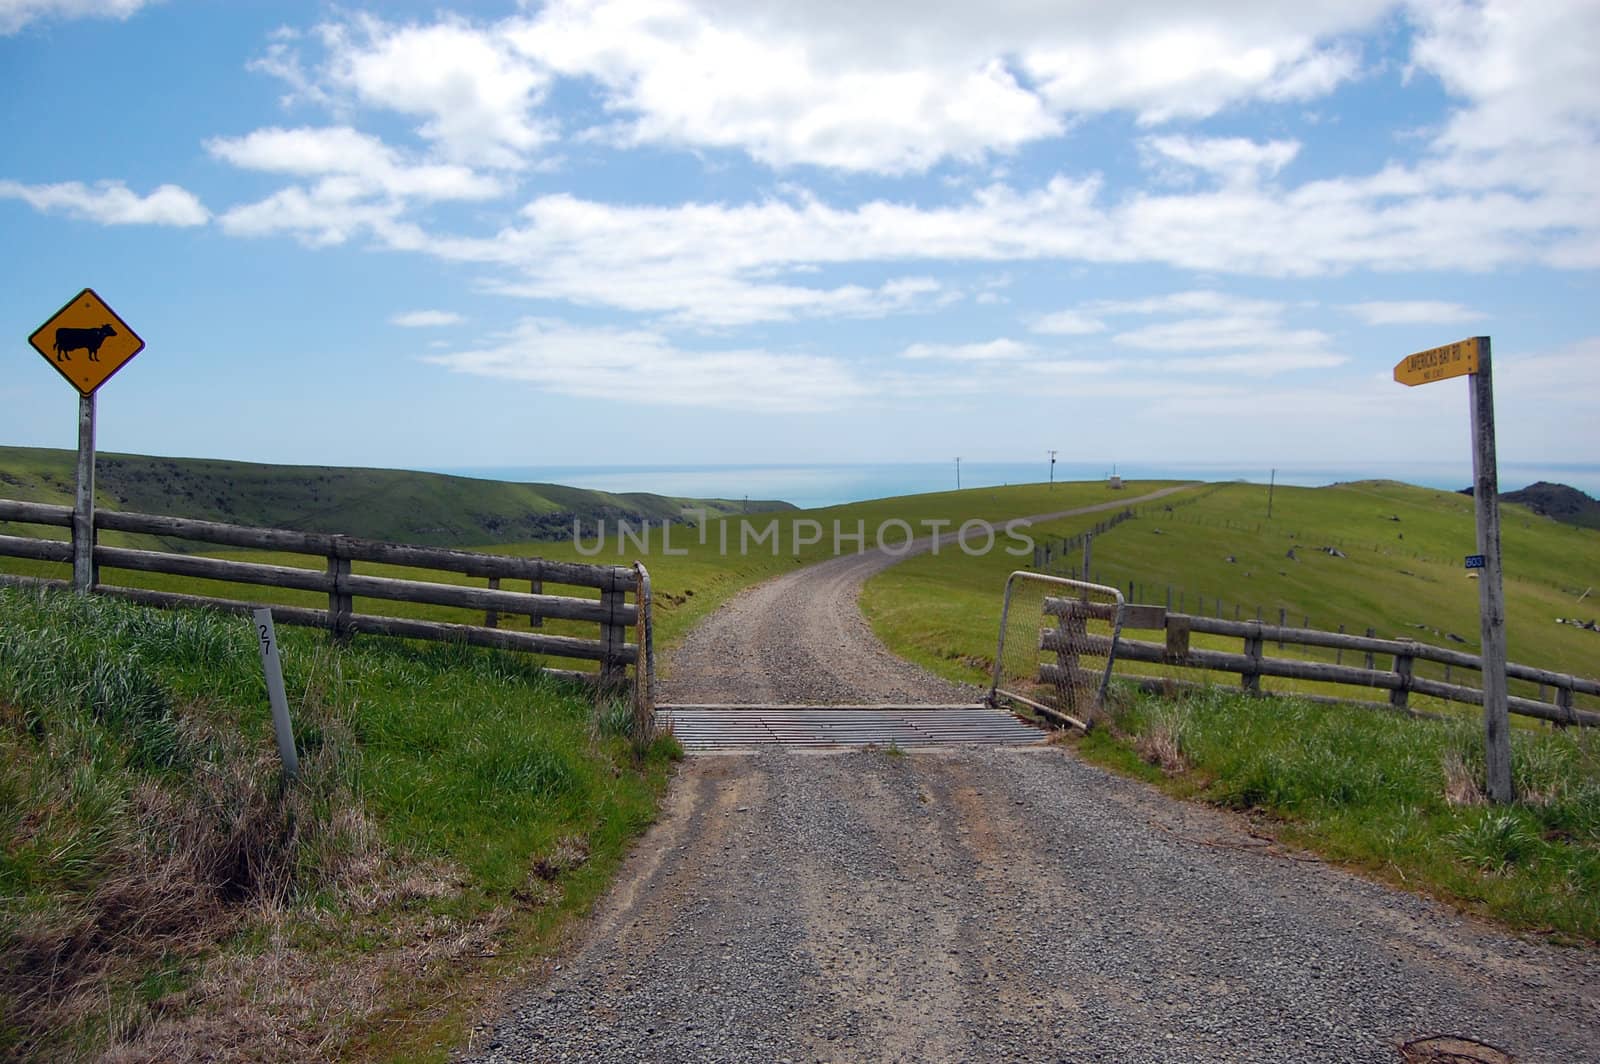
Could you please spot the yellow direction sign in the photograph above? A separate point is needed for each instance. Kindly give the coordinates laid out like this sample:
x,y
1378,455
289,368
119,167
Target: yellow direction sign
x,y
86,342
1439,363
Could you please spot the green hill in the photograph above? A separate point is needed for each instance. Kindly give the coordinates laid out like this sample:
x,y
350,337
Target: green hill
x,y
1373,554
399,505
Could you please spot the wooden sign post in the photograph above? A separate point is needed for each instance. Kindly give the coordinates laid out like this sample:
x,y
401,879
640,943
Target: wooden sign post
x,y
1470,358
86,343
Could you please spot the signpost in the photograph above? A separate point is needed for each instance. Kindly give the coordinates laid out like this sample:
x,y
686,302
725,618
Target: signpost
x,y
86,342
1470,358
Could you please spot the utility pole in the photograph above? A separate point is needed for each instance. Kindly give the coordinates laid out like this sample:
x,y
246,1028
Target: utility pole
x,y
958,472
1270,485
1052,471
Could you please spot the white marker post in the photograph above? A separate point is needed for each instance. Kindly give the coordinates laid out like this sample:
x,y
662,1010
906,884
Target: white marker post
x,y
1471,358
267,640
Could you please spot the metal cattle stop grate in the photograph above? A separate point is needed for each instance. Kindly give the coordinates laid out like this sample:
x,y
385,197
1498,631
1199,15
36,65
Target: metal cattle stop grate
x,y
1058,641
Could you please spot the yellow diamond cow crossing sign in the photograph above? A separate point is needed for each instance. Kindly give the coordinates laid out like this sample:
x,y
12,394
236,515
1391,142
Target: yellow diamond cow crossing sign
x,y
86,342
1439,363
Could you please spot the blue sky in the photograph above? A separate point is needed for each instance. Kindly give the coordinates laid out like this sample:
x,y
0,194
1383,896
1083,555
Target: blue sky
x,y
644,233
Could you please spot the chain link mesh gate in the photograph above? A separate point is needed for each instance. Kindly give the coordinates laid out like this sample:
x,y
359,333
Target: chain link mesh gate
x,y
1058,641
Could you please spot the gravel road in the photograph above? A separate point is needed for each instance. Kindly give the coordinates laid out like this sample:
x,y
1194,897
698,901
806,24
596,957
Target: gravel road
x,y
800,638
1014,904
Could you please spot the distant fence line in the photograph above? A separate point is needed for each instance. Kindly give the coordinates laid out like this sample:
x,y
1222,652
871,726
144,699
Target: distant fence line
x,y
613,613
1401,679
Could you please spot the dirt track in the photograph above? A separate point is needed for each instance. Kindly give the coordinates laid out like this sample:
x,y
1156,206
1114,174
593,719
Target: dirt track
x,y
801,638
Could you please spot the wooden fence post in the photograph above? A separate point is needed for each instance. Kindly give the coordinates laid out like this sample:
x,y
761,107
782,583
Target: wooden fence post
x,y
1564,702
1399,696
644,680
1250,680
1370,663
535,587
341,604
612,636
1177,638
491,617
1073,628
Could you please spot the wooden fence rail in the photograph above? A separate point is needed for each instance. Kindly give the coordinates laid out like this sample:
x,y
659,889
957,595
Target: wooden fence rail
x,y
615,616
1251,664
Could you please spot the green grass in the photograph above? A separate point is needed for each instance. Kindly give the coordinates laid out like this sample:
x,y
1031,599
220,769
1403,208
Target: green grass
x,y
944,612
155,871
1397,797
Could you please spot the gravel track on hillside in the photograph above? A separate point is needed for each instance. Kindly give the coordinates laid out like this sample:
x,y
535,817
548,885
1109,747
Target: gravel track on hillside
x,y
800,638
1014,904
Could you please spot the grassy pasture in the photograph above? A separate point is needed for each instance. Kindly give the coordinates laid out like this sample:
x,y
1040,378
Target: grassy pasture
x,y
944,611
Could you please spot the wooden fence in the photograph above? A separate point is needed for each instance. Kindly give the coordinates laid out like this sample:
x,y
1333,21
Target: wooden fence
x,y
613,613
1251,664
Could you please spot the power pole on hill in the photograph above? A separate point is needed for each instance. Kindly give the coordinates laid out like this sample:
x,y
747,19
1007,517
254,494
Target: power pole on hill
x,y
1272,483
958,472
1052,471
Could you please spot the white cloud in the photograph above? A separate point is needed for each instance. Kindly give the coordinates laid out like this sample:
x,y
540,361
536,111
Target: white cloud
x,y
1069,323
1233,160
425,319
1210,334
15,14
643,366
477,95
1000,350
343,152
1252,332
1199,301
899,86
683,75
111,203
323,216
1191,61
1413,312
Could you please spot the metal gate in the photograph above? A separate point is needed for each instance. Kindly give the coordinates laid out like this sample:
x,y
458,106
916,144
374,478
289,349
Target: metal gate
x,y
1058,640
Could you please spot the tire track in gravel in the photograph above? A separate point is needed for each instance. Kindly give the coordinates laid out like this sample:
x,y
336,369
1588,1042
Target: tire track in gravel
x,y
801,638
1015,905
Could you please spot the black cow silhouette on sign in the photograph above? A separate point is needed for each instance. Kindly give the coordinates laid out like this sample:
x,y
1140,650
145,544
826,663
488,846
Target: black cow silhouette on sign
x,y
68,339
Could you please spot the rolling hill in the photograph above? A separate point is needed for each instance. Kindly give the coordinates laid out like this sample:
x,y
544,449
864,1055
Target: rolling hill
x,y
426,508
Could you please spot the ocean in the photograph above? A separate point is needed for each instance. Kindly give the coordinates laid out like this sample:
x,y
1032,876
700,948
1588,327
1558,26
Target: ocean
x,y
816,485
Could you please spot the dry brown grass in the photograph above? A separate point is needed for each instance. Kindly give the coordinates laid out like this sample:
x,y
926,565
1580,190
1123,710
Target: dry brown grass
x,y
194,857
1461,786
1161,744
